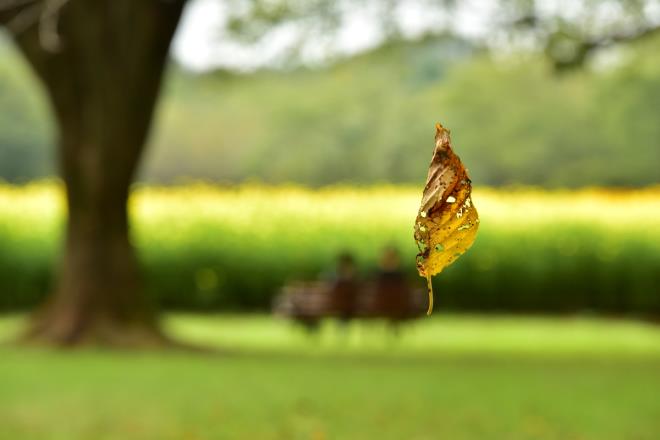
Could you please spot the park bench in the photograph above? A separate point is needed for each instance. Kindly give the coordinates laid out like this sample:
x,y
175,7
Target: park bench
x,y
310,302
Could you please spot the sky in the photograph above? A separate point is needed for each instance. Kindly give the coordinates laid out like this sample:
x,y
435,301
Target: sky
x,y
201,43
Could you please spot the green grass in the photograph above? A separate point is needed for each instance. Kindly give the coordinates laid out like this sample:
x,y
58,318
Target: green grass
x,y
448,377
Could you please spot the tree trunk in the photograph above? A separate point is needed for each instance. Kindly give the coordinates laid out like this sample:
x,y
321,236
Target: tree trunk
x,y
103,82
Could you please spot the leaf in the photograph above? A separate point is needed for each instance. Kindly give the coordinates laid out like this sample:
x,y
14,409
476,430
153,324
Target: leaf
x,y
447,220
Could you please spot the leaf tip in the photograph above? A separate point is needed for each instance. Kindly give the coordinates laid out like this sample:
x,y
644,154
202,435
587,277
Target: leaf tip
x,y
441,135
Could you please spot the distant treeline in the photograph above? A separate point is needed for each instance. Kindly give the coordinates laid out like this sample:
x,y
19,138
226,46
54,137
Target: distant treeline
x,y
370,119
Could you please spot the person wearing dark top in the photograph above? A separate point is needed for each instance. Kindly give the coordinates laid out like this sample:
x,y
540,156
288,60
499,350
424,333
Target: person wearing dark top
x,y
344,287
391,292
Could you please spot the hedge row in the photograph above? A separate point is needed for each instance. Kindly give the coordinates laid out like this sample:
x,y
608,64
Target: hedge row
x,y
208,248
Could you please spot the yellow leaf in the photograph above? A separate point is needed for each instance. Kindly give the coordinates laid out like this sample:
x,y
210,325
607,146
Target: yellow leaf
x,y
447,220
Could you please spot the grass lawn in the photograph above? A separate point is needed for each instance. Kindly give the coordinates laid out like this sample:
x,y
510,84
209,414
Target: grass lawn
x,y
447,377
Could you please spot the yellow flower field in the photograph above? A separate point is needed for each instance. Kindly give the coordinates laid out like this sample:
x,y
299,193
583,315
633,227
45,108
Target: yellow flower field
x,y
205,246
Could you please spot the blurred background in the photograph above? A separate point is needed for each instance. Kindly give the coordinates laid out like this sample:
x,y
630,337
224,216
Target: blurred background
x,y
289,133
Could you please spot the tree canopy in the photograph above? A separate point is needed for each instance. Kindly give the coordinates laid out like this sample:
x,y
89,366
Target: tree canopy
x,y
526,125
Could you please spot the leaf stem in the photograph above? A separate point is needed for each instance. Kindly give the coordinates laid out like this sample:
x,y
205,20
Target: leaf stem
x,y
430,290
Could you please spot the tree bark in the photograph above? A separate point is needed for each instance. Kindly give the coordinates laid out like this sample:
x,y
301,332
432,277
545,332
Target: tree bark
x,y
102,82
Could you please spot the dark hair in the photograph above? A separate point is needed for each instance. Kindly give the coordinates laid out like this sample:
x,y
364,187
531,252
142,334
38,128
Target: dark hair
x,y
345,257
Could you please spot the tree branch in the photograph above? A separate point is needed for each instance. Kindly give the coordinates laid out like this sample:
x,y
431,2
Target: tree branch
x,y
48,34
581,48
20,15
641,34
9,9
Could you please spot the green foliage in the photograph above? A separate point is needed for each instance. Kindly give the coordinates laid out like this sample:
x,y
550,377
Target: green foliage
x,y
207,248
370,119
24,125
